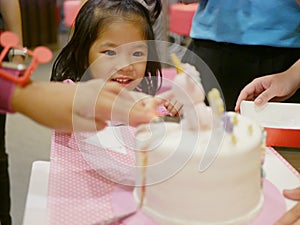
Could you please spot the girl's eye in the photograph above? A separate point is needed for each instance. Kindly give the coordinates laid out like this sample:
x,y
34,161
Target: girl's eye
x,y
138,54
110,52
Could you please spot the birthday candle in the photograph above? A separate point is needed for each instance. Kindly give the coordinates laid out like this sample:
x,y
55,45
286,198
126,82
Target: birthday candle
x,y
143,187
216,102
177,63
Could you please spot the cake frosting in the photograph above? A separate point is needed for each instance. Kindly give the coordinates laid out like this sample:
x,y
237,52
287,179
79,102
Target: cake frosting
x,y
172,185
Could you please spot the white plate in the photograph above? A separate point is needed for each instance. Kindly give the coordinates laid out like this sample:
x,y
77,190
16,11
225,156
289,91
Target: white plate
x,y
273,114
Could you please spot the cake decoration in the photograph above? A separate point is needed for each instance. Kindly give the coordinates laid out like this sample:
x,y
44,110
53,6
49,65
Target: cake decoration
x,y
177,63
216,102
188,90
235,120
250,129
233,138
228,125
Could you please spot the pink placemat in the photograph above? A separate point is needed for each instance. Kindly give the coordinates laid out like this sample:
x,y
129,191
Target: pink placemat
x,y
274,205
78,194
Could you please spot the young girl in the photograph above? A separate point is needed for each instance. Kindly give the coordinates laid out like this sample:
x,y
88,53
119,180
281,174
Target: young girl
x,y
118,34
111,40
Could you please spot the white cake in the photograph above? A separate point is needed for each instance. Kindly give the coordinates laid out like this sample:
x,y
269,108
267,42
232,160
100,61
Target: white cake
x,y
179,191
205,170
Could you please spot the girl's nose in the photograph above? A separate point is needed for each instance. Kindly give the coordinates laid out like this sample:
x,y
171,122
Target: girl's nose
x,y
125,64
126,68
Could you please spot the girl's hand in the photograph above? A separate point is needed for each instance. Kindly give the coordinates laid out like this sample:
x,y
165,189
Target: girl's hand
x,y
173,107
170,103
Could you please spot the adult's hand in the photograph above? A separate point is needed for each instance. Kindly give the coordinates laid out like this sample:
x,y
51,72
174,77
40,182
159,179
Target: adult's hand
x,y
275,87
292,217
83,106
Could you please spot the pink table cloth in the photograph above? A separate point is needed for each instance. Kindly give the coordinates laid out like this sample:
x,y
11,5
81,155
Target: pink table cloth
x,y
79,192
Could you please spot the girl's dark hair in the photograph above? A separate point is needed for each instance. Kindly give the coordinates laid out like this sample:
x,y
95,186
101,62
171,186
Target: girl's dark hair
x,y
94,16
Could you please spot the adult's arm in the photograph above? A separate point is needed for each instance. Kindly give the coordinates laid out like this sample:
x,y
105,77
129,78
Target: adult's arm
x,y
80,106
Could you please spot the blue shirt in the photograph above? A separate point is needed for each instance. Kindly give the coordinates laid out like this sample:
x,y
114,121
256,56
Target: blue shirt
x,y
249,22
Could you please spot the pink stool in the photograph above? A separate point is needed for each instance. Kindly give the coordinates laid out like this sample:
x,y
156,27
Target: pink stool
x,y
71,8
180,18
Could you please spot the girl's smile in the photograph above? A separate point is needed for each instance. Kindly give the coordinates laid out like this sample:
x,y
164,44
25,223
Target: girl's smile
x,y
123,81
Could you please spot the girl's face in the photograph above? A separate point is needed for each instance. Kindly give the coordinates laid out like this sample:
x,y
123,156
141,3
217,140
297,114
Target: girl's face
x,y
119,54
